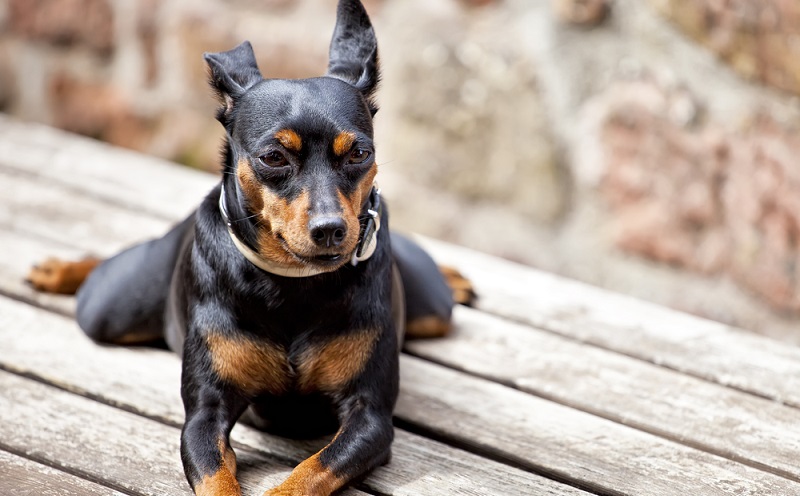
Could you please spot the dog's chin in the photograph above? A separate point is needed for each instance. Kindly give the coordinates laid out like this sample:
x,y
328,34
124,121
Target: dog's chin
x,y
327,261
322,260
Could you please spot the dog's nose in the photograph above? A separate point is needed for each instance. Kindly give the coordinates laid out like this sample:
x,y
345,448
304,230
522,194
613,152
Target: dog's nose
x,y
327,231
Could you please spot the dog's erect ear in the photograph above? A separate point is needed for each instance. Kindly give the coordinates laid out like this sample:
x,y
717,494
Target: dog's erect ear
x,y
233,72
354,49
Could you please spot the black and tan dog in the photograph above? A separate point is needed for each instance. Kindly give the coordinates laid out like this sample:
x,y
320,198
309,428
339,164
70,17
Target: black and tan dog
x,y
284,292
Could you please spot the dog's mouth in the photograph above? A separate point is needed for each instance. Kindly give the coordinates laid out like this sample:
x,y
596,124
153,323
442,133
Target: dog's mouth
x,y
334,257
319,260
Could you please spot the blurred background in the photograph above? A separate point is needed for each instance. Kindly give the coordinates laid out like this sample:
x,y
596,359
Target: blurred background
x,y
647,146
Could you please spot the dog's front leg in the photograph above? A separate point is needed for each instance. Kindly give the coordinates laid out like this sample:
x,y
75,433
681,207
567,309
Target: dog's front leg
x,y
362,443
211,411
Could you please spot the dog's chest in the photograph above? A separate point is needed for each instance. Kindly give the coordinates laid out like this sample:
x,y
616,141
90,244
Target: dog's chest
x,y
259,367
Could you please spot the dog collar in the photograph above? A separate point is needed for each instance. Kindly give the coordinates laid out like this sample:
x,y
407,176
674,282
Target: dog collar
x,y
369,222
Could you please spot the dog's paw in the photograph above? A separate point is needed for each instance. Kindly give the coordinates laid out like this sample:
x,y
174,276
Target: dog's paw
x,y
463,292
59,276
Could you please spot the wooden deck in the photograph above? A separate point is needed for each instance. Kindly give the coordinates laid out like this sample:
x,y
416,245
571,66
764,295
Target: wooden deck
x,y
548,387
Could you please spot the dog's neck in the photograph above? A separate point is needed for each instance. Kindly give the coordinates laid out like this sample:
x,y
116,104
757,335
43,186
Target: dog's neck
x,y
370,224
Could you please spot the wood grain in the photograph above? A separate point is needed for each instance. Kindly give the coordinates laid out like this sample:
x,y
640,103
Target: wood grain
x,y
118,176
491,418
23,477
664,337
720,420
598,454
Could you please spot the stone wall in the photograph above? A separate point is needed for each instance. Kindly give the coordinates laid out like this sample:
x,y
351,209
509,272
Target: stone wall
x,y
649,147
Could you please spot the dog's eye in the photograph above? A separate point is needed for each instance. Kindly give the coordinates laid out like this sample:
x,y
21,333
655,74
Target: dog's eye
x,y
359,156
273,159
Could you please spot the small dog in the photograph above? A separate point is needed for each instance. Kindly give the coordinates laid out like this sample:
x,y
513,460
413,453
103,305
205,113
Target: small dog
x,y
284,292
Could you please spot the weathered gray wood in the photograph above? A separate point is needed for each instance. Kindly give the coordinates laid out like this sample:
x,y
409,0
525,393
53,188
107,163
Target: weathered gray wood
x,y
533,432
52,348
31,206
720,420
599,454
22,477
664,337
108,444
117,175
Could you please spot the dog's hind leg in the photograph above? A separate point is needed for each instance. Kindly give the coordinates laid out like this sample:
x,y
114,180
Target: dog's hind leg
x,y
430,291
123,299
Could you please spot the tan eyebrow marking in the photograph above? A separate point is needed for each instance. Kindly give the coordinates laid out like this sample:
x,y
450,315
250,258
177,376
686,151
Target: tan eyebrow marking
x,y
289,139
343,142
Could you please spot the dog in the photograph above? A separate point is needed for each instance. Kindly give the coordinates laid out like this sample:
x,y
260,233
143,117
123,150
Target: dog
x,y
284,293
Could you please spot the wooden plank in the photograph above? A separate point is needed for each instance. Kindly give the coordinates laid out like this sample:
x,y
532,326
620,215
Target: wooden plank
x,y
573,445
52,348
730,423
103,443
700,347
56,213
119,176
696,346
534,433
736,425
22,477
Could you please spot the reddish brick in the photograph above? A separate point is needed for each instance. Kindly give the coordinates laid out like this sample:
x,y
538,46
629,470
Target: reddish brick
x,y
98,110
64,22
708,199
757,38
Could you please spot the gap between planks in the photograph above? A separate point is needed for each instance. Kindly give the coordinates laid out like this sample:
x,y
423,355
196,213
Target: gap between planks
x,y
24,476
546,437
681,439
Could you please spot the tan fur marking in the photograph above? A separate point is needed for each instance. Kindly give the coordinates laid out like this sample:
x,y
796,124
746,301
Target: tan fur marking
x,y
254,367
331,365
59,276
223,482
251,186
352,207
463,291
427,327
138,338
290,140
290,221
227,455
310,478
343,143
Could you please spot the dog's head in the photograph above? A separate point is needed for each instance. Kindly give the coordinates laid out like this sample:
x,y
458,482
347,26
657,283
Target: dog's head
x,y
301,151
